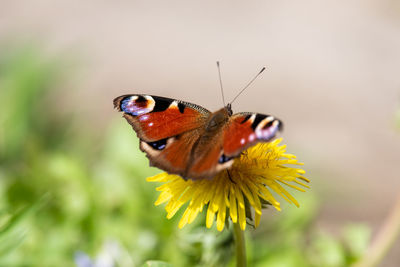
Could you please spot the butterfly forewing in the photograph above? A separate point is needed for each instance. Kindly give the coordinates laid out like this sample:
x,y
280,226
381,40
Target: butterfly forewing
x,y
155,118
246,129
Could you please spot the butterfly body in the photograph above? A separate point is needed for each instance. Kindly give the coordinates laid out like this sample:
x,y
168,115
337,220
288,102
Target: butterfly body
x,y
186,139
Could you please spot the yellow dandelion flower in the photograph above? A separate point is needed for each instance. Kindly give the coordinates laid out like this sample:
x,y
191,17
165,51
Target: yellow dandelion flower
x,y
258,171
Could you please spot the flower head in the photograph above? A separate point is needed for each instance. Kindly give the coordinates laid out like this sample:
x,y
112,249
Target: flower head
x,y
246,186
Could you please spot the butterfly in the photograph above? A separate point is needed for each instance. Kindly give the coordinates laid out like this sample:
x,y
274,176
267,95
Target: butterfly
x,y
188,140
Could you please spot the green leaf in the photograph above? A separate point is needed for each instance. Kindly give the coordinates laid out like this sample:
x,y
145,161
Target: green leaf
x,y
10,235
17,217
156,264
356,238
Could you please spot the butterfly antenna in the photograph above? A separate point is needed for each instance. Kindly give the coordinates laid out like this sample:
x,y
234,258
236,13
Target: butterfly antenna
x,y
252,80
220,83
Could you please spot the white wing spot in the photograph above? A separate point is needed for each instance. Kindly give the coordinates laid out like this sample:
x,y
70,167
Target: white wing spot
x,y
252,118
174,104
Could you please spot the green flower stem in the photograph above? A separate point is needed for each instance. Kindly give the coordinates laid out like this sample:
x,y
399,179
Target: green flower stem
x,y
384,240
240,246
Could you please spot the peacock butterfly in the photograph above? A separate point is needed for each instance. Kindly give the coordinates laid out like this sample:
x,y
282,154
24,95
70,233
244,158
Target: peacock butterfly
x,y
186,139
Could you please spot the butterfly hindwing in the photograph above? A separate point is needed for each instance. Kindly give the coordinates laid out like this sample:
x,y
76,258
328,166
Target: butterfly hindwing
x,y
210,161
175,155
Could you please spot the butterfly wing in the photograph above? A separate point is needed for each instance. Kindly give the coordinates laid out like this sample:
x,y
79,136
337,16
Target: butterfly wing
x,y
155,118
167,128
246,129
240,132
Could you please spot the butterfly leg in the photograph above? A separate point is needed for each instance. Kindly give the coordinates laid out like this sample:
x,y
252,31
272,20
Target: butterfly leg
x,y
230,178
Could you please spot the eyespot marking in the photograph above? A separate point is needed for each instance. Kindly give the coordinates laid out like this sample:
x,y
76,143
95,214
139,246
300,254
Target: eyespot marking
x,y
265,123
140,98
258,118
158,145
137,105
267,128
223,158
224,162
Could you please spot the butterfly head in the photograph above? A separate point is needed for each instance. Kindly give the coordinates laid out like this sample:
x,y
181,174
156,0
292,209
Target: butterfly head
x,y
229,109
218,119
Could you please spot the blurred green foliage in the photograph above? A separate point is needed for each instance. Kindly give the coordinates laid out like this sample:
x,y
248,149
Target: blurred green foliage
x,y
63,204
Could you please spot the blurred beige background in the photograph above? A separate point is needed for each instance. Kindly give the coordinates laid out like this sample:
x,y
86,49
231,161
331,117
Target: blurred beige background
x,y
333,76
